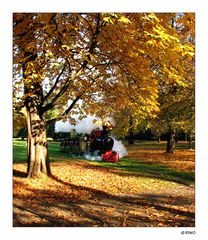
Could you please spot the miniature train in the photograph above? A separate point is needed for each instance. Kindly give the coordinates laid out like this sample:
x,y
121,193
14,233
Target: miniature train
x,y
97,143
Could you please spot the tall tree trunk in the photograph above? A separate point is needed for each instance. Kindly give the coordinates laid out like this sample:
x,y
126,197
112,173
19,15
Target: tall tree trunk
x,y
170,141
131,132
37,145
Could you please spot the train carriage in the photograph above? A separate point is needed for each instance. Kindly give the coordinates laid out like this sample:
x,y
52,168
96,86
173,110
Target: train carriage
x,y
98,143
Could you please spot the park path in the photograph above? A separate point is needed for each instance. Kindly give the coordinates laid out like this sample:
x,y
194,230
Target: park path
x,y
168,208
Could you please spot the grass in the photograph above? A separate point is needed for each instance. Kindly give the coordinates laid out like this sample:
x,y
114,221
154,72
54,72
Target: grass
x,y
20,149
127,165
134,167
20,152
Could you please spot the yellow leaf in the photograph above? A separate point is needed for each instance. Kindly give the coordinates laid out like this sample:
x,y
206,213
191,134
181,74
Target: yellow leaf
x,y
124,20
65,47
108,19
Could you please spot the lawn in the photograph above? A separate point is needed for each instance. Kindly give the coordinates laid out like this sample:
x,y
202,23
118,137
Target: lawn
x,y
20,154
146,188
135,164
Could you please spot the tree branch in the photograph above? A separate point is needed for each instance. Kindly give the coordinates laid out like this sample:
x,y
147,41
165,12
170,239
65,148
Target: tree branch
x,y
58,95
55,84
63,115
65,112
79,71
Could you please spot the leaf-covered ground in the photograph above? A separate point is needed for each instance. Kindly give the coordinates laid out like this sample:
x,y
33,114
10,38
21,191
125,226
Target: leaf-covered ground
x,y
84,193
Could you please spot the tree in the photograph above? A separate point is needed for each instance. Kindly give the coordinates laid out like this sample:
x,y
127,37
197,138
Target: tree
x,y
19,125
51,130
22,133
165,53
88,63
55,62
177,111
177,99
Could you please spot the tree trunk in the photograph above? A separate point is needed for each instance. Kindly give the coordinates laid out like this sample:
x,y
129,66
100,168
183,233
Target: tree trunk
x,y
131,132
186,137
171,141
190,142
37,145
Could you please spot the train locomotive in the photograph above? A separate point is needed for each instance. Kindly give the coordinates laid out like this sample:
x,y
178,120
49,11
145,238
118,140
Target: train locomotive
x,y
98,143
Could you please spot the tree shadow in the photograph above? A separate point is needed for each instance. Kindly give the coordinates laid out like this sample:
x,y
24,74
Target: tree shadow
x,y
17,173
81,188
101,209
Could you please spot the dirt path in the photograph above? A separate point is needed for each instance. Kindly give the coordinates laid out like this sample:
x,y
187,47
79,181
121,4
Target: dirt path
x,y
101,209
136,211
